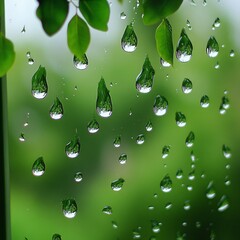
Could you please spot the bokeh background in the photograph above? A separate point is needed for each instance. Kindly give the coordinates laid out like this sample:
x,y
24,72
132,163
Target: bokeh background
x,y
36,202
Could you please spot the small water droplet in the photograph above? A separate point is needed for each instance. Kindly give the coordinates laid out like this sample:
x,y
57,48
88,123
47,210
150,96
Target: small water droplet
x,y
192,156
189,25
30,61
191,175
151,208
210,193
225,102
204,3
38,167
116,185
129,39
232,53
152,238
212,48
160,105
93,126
212,235
223,204
216,24
122,158
187,205
25,124
217,65
117,142
78,177
190,139
168,205
114,225
140,139
155,226
155,195
123,15
164,63
228,166
179,174
184,48
145,78
180,119
227,181
204,101
56,110
149,126
56,237
22,138
136,234
165,151
186,86
166,184
23,29
72,148
226,151
198,224
82,63
107,210
69,208
28,54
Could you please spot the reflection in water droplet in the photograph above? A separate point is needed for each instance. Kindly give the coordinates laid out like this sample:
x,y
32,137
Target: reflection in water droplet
x,y
186,86
93,126
140,139
187,205
22,138
190,139
38,167
107,210
204,101
210,193
123,15
184,48
160,105
164,63
232,53
145,78
223,204
226,151
116,185
149,126
165,151
82,63
117,142
56,110
180,119
179,174
78,177
69,208
212,48
56,237
122,158
129,39
72,148
166,184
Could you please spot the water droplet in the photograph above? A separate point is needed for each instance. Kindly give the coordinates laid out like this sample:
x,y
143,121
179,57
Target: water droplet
x,y
216,24
123,15
107,210
179,174
226,151
165,151
116,185
180,119
210,193
152,238
104,102
93,126
217,65
144,80
155,195
117,142
204,101
191,175
198,224
227,181
186,86
23,29
187,205
160,105
39,83
82,63
155,226
225,102
140,139
22,138
78,177
30,61
28,54
168,205
164,63
122,158
166,184
149,126
190,139
114,225
212,48
192,156
129,39
189,188
25,124
212,235
69,208
189,25
232,53
222,110
204,3
223,204
56,110
38,167
136,234
72,148
56,237
151,208
228,166
184,47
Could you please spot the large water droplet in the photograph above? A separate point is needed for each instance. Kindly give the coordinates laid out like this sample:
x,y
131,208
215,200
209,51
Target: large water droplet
x,y
166,184
69,208
144,80
186,86
160,105
210,193
165,151
116,185
117,142
104,102
149,126
72,148
180,119
212,48
204,101
39,83
184,48
78,177
129,39
80,63
223,204
56,110
122,158
56,237
107,210
190,139
38,167
93,126
226,151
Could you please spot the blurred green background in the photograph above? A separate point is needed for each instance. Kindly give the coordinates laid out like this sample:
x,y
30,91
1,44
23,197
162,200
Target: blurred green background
x,y
36,202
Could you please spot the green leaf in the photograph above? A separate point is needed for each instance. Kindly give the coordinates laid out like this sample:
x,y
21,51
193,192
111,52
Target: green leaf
x,y
96,13
156,10
7,55
52,14
164,42
78,36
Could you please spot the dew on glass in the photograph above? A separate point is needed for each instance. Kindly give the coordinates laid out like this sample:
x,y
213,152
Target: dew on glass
x,y
168,205
232,53
122,158
116,185
212,48
56,110
160,105
117,142
114,225
144,80
190,139
72,148
140,139
184,48
179,174
164,63
187,205
38,167
226,151
189,25
123,15
155,226
180,119
216,23
107,210
223,204
149,126
104,102
22,137
69,208
186,86
210,192
56,236
78,177
165,151
166,184
129,39
80,63
93,126
204,101
39,83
